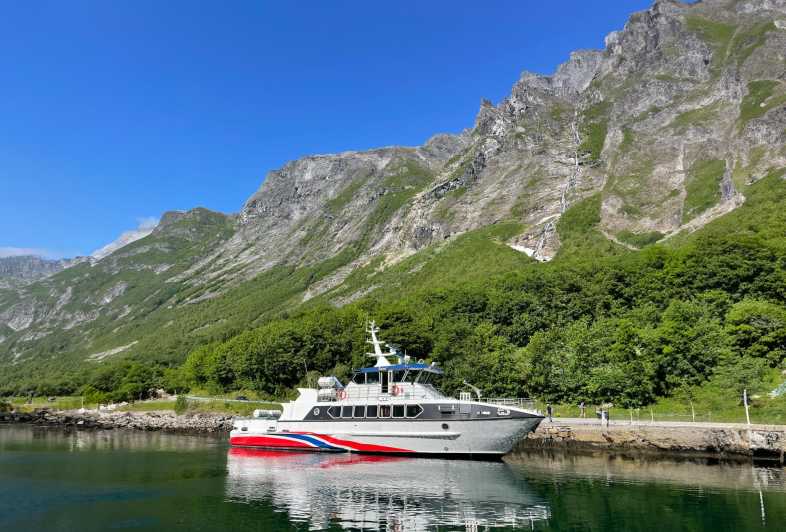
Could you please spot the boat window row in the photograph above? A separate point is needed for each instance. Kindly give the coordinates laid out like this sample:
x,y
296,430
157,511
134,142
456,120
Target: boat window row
x,y
400,376
375,411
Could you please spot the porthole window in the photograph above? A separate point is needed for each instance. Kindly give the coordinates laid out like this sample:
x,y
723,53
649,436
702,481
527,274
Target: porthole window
x,y
316,411
445,426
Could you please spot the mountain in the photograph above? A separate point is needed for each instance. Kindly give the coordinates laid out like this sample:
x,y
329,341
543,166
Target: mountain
x,y
28,268
648,140
146,227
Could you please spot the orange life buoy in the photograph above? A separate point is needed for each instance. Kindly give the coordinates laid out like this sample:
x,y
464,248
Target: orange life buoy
x,y
395,390
341,394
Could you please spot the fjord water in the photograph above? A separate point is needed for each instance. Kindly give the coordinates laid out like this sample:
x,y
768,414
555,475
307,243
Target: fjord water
x,y
101,480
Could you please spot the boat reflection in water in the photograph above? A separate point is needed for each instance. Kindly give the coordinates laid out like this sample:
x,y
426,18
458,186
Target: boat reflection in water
x,y
383,492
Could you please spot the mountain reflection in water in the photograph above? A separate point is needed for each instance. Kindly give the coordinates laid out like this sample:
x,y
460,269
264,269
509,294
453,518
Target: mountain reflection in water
x,y
383,493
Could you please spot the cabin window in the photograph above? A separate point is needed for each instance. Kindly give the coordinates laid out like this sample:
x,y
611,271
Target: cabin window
x,y
371,411
414,410
398,410
372,378
384,410
359,378
360,411
334,411
346,411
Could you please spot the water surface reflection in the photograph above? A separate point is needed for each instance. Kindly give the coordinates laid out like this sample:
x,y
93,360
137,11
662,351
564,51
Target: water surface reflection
x,y
383,493
52,479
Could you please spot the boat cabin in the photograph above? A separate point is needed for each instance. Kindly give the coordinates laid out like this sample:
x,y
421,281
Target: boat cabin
x,y
384,381
397,374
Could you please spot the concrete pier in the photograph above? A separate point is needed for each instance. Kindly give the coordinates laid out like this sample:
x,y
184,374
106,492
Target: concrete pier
x,y
714,439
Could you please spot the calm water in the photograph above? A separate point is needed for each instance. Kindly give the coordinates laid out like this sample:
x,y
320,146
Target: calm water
x,y
51,480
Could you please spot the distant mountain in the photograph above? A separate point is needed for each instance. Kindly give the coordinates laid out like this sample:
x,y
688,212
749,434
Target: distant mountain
x,y
145,228
655,136
28,268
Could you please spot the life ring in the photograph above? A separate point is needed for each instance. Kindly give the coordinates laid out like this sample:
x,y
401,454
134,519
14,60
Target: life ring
x,y
396,390
341,394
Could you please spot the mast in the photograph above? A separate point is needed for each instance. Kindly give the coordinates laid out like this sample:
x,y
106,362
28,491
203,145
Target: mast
x,y
378,354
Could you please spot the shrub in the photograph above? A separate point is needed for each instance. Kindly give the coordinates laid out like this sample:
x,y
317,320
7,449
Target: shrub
x,y
181,404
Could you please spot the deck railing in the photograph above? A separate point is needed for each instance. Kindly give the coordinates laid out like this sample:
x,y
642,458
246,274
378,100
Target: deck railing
x,y
407,391
404,391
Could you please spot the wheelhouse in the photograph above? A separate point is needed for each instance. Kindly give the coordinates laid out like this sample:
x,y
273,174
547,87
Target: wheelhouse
x,y
385,376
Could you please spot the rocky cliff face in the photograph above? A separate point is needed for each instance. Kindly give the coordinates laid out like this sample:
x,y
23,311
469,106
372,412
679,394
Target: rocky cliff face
x,y
667,125
683,107
29,268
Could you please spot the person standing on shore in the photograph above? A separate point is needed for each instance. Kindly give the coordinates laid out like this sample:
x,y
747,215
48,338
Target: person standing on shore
x,y
549,411
582,410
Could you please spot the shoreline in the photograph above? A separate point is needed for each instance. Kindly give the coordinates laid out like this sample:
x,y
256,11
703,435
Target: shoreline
x,y
708,440
701,440
160,420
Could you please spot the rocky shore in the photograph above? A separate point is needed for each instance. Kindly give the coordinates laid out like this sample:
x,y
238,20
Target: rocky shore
x,y
707,439
160,420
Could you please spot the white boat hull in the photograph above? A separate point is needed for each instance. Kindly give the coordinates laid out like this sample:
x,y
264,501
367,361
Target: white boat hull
x,y
471,437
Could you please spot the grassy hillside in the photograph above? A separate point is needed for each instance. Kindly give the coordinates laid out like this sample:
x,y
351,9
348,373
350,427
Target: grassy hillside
x,y
698,317
703,311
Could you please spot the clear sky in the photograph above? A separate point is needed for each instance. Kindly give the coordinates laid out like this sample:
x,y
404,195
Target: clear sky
x,y
112,112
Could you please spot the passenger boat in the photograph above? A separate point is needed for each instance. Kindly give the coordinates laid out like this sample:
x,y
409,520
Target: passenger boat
x,y
390,408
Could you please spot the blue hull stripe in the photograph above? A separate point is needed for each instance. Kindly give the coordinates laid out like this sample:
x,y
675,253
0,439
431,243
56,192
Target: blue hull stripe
x,y
310,439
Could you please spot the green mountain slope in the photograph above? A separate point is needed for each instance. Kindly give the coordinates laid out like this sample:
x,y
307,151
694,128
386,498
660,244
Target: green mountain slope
x,y
613,231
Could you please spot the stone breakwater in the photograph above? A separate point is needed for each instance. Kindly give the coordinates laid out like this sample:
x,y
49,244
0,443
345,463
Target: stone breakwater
x,y
163,420
712,439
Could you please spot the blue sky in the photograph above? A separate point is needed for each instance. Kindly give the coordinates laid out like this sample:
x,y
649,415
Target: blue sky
x,y
116,111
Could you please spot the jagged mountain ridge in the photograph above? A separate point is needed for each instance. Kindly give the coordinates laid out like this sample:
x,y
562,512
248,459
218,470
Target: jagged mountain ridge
x,y
28,268
667,125
640,121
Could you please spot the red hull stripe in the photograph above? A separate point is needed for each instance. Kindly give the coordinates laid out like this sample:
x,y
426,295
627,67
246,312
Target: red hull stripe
x,y
310,440
268,441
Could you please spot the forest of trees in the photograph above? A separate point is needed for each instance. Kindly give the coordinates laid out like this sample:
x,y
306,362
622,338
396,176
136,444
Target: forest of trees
x,y
638,327
627,329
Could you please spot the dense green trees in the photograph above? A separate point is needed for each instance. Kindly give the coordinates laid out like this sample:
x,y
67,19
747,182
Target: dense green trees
x,y
275,357
626,329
